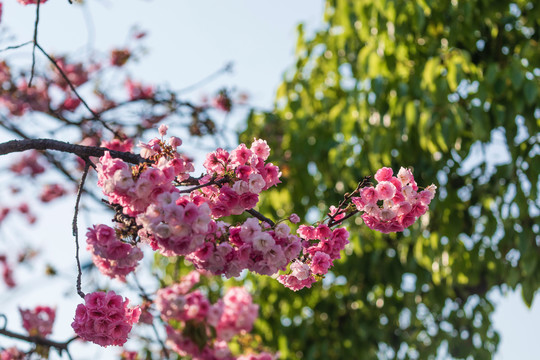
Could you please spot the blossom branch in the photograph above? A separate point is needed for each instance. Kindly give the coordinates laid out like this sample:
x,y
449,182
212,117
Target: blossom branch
x,y
343,204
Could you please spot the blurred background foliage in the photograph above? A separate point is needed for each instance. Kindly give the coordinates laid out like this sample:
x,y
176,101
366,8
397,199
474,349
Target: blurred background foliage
x,y
451,89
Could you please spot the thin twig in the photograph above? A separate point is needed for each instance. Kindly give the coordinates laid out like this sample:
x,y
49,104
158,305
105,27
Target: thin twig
x,y
261,217
72,87
345,202
76,229
211,182
16,46
35,44
335,222
224,69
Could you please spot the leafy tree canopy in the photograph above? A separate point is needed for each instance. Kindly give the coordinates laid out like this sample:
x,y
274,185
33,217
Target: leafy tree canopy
x,y
451,89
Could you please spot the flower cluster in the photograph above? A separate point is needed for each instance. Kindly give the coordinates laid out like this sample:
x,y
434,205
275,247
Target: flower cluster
x,y
12,353
51,192
39,321
238,313
7,272
28,2
321,246
251,245
112,257
105,318
243,174
199,329
394,203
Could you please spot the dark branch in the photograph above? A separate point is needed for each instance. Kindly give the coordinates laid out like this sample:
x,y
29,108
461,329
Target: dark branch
x,y
80,150
342,207
60,346
35,44
261,217
16,46
334,222
213,181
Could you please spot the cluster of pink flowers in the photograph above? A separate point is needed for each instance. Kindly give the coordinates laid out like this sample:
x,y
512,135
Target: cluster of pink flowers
x,y
39,321
134,192
138,91
246,175
238,313
129,355
394,203
29,164
251,245
7,272
29,2
174,225
321,246
51,192
12,353
76,73
112,257
176,302
222,101
105,318
218,323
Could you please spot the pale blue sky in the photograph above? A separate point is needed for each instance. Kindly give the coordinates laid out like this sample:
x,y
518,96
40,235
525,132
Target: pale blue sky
x,y
189,40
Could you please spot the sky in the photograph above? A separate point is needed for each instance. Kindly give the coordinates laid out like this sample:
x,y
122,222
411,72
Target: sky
x,y
187,41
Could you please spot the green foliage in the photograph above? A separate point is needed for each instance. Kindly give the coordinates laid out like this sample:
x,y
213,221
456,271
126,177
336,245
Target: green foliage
x,y
431,85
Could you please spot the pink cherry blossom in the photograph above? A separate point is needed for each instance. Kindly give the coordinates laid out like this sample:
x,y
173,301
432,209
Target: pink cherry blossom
x,y
38,321
105,318
384,174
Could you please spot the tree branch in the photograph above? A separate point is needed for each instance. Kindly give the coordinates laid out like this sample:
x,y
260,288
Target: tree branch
x,y
35,44
261,217
80,150
75,227
72,87
16,46
60,346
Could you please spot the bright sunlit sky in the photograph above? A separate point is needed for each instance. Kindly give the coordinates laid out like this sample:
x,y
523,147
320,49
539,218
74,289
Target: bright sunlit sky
x,y
188,40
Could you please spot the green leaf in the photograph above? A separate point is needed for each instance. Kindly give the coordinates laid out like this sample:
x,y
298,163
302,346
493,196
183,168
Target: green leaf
x,y
516,75
530,91
527,292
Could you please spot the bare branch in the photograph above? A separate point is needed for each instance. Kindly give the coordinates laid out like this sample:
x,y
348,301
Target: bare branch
x,y
261,217
225,69
35,44
72,87
16,46
75,227
60,346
